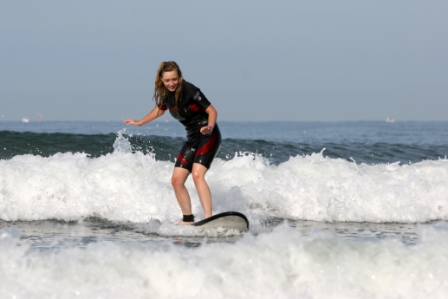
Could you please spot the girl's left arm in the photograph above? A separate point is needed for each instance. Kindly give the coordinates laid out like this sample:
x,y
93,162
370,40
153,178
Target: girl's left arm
x,y
212,116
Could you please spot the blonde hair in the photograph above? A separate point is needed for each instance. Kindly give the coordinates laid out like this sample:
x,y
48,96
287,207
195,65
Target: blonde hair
x,y
160,90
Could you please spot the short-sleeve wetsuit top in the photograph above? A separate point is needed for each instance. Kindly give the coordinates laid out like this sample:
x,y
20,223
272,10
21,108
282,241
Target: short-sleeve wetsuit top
x,y
190,110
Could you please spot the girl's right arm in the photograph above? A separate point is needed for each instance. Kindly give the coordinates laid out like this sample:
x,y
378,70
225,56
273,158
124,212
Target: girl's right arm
x,y
155,113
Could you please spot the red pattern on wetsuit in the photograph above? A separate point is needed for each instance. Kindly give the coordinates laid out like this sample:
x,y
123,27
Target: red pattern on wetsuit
x,y
194,107
181,159
208,146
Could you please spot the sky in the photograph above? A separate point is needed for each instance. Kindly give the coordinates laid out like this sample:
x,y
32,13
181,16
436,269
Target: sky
x,y
255,60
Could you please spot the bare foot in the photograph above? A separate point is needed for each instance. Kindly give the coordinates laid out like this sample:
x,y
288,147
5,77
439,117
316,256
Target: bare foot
x,y
185,223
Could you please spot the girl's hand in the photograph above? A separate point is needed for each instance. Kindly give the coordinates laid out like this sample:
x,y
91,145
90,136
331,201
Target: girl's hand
x,y
132,122
206,130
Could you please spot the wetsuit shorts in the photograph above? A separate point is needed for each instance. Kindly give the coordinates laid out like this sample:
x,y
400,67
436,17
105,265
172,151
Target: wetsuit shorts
x,y
200,149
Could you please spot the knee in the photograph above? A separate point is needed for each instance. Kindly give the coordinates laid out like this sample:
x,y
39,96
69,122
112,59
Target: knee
x,y
197,177
177,182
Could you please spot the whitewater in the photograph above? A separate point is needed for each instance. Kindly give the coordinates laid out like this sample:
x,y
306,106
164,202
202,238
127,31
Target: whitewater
x,y
362,217
126,186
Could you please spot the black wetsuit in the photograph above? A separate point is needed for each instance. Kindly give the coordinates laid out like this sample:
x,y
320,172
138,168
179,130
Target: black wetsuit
x,y
190,111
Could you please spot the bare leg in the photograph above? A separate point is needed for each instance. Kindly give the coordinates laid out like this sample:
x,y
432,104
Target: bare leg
x,y
178,179
205,196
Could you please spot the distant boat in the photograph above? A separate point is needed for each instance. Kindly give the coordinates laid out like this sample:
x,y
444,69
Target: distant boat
x,y
390,120
25,120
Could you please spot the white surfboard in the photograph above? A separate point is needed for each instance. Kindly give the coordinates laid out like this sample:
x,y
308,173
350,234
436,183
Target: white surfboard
x,y
233,220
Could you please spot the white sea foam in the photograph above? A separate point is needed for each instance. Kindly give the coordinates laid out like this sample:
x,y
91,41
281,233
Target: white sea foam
x,y
128,187
279,264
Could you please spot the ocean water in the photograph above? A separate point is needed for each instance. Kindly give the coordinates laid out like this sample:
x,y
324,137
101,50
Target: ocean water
x,y
336,210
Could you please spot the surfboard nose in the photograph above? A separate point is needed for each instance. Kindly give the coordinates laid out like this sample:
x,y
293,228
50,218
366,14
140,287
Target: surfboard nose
x,y
233,220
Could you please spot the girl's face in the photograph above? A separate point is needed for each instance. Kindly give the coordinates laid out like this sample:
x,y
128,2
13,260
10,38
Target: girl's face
x,y
170,80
